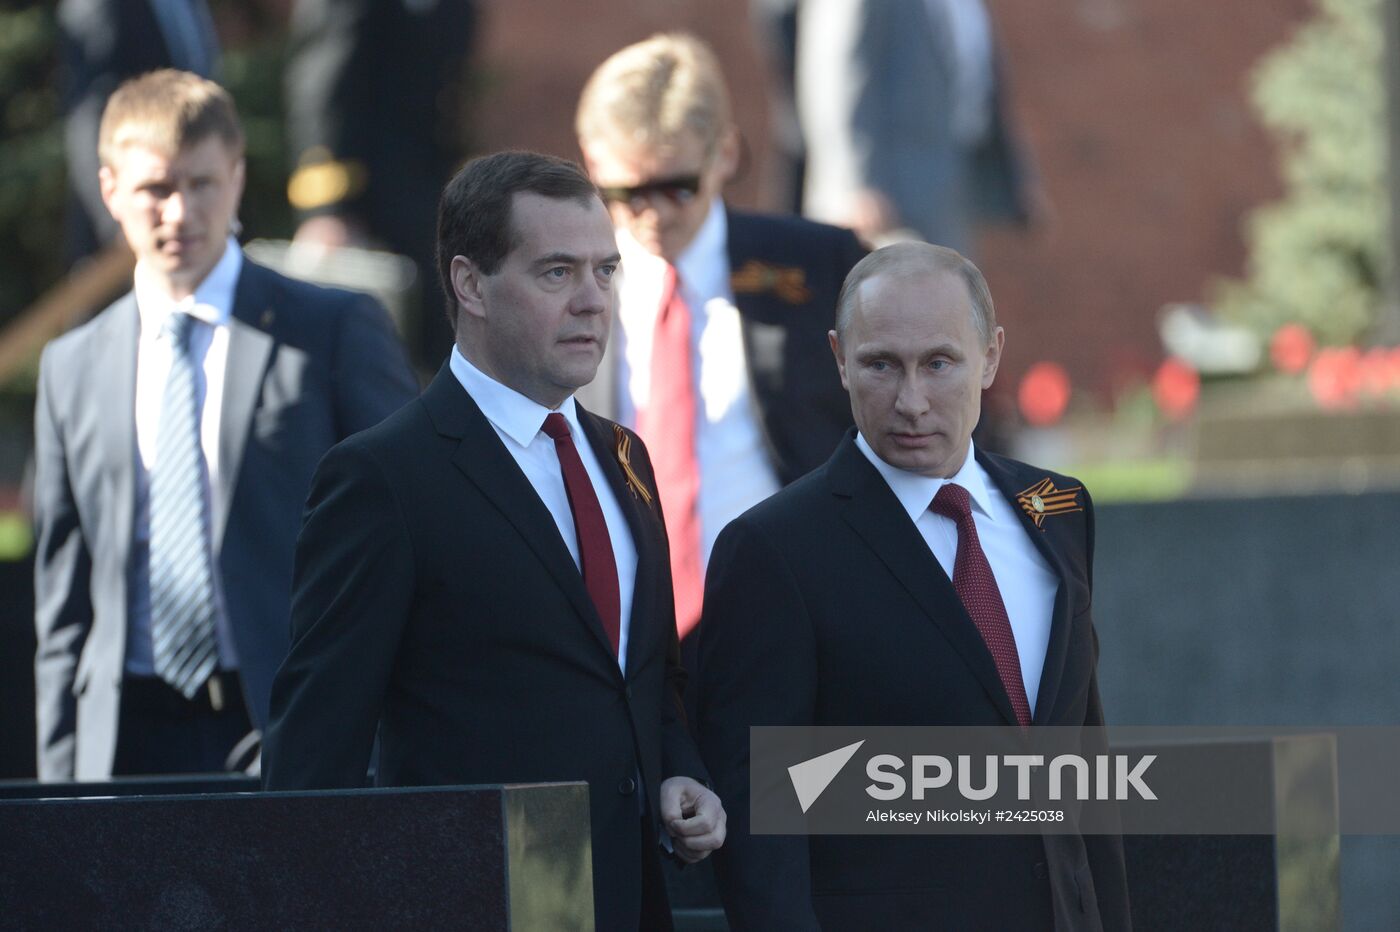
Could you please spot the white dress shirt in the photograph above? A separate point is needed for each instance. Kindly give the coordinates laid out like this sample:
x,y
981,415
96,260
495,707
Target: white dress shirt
x,y
735,473
211,306
519,422
1027,583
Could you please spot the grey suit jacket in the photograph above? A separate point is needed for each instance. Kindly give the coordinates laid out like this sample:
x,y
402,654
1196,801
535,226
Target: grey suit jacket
x,y
306,367
874,88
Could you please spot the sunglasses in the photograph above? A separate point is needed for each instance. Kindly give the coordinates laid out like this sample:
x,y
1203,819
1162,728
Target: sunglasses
x,y
678,190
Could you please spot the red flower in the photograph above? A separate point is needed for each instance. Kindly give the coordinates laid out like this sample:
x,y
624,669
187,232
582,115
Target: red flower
x,y
1335,376
1375,372
1044,394
1176,388
1291,348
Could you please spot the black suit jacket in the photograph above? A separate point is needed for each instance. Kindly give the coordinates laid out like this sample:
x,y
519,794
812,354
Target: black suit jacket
x,y
306,367
786,273
824,606
436,600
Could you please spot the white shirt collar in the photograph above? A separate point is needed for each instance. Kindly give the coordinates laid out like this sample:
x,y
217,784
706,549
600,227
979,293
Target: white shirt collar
x,y
916,492
510,412
212,301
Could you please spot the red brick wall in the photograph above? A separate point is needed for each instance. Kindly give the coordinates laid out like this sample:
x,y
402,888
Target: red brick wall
x,y
1136,111
1138,114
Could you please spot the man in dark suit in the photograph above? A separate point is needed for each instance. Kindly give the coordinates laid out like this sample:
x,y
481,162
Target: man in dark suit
x,y
482,578
721,362
912,580
175,438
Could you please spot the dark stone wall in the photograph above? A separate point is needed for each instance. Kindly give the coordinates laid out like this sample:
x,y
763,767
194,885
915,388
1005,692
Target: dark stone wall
x,y
1265,611
16,669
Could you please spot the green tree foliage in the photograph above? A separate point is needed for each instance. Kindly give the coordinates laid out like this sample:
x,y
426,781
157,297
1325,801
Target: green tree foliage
x,y
31,158
1318,256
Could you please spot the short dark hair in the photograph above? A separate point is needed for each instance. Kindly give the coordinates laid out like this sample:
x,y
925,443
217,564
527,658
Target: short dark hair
x,y
474,212
914,258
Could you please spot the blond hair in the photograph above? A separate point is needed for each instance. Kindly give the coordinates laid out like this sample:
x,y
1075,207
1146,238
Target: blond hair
x,y
652,92
166,111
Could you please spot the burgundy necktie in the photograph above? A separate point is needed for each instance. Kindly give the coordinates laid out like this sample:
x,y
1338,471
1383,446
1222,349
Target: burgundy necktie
x,y
667,424
977,587
594,544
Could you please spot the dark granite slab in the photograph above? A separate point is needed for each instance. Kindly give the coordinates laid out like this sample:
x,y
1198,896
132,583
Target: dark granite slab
x,y
453,857
1287,880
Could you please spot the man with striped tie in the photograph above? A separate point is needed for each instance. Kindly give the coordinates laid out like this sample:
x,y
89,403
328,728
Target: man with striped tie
x,y
175,437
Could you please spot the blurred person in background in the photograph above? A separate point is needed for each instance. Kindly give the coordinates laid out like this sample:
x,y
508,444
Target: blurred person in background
x,y
775,28
375,91
719,357
175,438
904,110
101,44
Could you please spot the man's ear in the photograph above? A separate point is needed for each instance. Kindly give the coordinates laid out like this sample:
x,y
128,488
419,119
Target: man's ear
x,y
467,287
728,151
993,360
107,182
836,351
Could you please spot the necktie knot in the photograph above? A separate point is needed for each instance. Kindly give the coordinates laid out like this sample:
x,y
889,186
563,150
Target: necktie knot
x,y
178,326
556,427
952,501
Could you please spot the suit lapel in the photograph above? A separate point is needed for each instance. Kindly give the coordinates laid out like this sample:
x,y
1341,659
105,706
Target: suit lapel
x,y
114,375
741,248
644,536
250,348
1012,482
873,512
483,458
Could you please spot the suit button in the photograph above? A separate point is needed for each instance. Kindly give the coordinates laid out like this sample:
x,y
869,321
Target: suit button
x,y
626,786
1040,870
629,692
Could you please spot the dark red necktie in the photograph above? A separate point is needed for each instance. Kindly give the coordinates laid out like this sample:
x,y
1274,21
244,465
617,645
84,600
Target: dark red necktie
x,y
594,544
667,424
977,587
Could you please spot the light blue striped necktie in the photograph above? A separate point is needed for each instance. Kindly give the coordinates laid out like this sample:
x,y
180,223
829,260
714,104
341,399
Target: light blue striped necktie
x,y
182,573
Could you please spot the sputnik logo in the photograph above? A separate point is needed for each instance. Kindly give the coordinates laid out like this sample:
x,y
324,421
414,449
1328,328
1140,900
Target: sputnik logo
x,y
811,777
